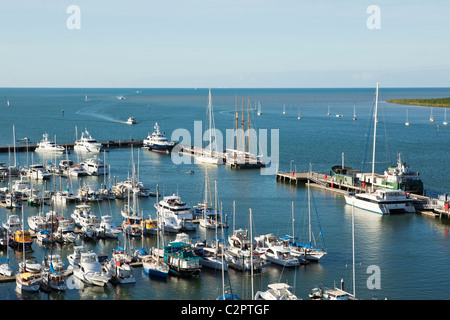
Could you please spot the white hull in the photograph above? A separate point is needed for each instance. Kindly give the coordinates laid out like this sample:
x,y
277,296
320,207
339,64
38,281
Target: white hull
x,y
380,207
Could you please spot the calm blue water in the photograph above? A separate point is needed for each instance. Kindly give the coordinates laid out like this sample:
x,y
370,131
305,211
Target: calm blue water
x,y
411,251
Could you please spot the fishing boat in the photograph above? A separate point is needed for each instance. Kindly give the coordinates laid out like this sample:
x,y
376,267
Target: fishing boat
x,y
157,142
210,154
181,259
87,144
89,270
47,146
276,291
382,201
12,224
21,239
75,256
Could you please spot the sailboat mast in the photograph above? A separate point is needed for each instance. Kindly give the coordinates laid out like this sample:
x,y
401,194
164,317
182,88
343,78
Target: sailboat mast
x,y
374,135
243,130
353,248
309,215
248,123
237,118
210,124
251,252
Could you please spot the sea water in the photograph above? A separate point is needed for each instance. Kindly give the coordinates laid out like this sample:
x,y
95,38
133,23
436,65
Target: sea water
x,y
401,256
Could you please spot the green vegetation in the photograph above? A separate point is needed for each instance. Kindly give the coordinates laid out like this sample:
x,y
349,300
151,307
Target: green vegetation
x,y
442,102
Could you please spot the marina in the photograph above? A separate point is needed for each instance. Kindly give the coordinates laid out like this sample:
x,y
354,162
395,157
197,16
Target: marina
x,y
278,209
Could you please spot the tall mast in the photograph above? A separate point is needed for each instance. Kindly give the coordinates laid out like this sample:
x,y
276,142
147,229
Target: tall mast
x,y
374,135
243,130
248,123
237,118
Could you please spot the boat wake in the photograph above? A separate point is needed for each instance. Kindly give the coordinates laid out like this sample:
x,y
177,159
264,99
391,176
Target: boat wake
x,y
97,111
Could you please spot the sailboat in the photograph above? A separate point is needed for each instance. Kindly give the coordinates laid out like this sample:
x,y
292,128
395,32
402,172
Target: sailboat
x,y
339,293
284,109
154,263
431,115
259,109
299,116
382,201
27,281
354,113
307,251
407,121
210,154
445,117
329,113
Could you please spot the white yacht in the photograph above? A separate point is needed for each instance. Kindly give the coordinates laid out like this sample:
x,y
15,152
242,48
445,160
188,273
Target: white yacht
x,y
175,213
37,172
274,251
12,224
90,270
48,146
94,167
238,254
131,120
158,142
83,216
382,201
108,228
87,144
276,291
70,169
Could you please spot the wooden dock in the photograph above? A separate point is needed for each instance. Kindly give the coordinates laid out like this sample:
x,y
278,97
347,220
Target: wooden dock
x,y
424,205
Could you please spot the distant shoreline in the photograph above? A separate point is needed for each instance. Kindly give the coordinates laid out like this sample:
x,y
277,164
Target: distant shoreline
x,y
441,102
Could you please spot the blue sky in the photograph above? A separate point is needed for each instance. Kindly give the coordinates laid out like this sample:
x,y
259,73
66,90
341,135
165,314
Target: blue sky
x,y
224,43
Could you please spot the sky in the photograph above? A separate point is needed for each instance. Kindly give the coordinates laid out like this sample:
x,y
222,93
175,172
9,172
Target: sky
x,y
224,43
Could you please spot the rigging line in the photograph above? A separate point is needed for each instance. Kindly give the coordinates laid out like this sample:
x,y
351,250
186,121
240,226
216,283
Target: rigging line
x,y
369,129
